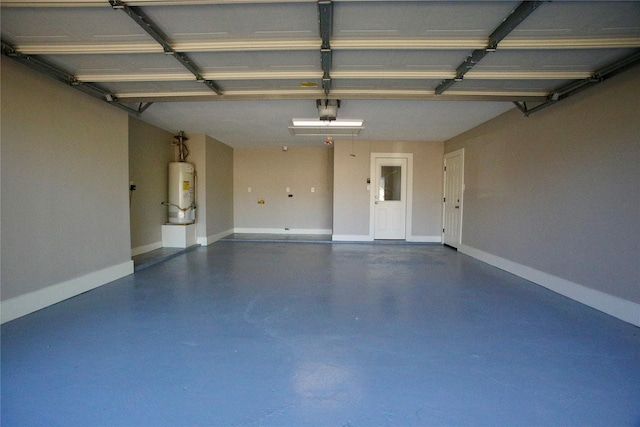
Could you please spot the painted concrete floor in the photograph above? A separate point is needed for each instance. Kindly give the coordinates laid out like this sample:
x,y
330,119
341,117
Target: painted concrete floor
x,y
302,334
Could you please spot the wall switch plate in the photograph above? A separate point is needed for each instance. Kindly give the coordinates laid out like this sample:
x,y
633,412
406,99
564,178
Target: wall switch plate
x,y
313,189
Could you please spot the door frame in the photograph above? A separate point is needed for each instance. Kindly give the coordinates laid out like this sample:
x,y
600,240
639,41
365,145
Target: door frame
x,y
459,152
409,206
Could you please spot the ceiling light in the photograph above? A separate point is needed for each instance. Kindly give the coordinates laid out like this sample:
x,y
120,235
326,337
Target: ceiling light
x,y
314,127
327,123
325,131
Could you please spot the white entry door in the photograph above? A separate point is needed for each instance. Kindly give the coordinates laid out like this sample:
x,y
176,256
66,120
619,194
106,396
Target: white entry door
x,y
452,201
390,198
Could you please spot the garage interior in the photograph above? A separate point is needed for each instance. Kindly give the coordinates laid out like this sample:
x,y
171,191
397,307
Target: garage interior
x,y
507,295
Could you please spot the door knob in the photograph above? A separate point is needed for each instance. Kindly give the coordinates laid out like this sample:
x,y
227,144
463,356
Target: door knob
x,y
457,207
376,203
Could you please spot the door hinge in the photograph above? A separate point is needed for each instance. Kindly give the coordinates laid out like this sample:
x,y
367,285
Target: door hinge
x,y
444,200
445,168
443,230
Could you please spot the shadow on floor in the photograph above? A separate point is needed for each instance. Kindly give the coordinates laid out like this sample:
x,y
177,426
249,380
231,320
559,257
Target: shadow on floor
x,y
277,238
157,256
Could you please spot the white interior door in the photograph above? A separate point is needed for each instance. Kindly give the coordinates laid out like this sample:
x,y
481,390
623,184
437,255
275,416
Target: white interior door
x,y
390,198
452,201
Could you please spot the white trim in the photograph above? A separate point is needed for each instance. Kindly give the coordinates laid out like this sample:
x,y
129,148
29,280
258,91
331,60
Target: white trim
x,y
367,238
146,248
615,306
206,241
33,301
425,239
409,190
351,238
282,231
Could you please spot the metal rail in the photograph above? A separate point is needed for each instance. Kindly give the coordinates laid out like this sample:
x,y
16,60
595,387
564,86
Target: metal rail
x,y
577,86
516,17
63,76
144,22
325,16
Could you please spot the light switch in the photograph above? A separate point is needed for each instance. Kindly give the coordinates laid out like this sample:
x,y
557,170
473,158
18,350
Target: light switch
x,y
288,190
313,189
249,190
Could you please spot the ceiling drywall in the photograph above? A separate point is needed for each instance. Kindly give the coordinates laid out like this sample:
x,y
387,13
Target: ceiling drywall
x,y
259,123
391,63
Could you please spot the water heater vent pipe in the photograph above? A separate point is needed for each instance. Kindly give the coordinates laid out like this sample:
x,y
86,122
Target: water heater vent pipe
x,y
183,151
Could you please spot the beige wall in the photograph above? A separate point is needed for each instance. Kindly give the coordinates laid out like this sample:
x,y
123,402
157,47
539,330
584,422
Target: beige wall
x,y
352,198
268,172
219,184
213,162
65,207
558,191
150,151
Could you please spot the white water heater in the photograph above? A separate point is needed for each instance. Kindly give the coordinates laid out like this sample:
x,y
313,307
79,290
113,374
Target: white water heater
x,y
182,193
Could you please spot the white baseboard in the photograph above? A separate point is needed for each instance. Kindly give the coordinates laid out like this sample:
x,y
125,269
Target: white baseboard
x,y
367,238
28,303
206,241
282,231
146,248
425,239
610,304
351,238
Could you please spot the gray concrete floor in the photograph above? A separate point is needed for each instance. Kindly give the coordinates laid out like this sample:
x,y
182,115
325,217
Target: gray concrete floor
x,y
301,334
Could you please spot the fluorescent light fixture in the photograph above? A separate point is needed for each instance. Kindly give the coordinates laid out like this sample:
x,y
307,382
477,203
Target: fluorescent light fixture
x,y
327,123
324,131
315,127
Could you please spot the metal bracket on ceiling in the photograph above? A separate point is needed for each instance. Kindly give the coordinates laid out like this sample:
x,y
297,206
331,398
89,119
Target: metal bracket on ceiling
x,y
516,17
325,17
522,106
144,22
143,107
576,86
63,76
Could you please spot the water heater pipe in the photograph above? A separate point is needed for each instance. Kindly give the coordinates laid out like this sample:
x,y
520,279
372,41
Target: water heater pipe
x,y
183,151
